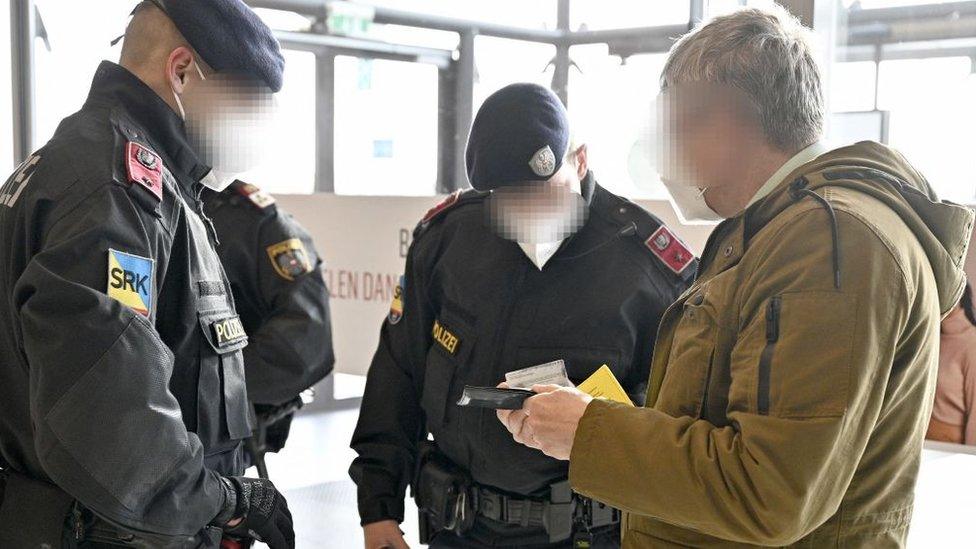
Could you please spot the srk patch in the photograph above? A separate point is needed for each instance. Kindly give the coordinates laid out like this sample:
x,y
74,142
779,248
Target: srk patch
x,y
396,308
228,331
289,258
445,338
130,280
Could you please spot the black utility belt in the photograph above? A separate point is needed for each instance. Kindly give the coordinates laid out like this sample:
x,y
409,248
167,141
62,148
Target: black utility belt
x,y
448,499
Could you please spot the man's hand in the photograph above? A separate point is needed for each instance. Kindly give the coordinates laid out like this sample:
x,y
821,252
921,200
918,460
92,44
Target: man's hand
x,y
261,512
548,421
384,534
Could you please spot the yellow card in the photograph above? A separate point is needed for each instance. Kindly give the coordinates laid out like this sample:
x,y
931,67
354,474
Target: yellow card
x,y
603,384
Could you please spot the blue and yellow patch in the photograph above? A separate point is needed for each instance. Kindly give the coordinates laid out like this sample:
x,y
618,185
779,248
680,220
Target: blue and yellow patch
x,y
396,308
130,280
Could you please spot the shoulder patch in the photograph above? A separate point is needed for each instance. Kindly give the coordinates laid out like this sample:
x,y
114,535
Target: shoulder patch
x,y
255,194
10,191
396,307
145,167
670,250
289,258
441,207
130,280
452,201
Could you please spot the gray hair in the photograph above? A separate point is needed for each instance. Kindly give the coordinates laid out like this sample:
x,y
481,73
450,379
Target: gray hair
x,y
766,54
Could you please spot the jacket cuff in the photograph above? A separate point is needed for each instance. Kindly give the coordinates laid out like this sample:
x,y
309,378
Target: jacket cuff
x,y
378,509
585,462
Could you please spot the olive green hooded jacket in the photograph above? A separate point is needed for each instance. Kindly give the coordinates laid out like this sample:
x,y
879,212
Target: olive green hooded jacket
x,y
791,385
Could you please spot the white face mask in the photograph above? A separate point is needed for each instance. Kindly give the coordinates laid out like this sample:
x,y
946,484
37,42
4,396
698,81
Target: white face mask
x,y
689,203
678,173
227,119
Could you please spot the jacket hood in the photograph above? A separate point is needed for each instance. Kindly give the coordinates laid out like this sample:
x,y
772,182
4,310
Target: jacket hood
x,y
942,228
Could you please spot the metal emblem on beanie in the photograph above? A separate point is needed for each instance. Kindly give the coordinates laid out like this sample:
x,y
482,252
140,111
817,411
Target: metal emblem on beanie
x,y
543,162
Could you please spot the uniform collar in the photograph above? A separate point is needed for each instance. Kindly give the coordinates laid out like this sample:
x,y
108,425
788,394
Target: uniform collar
x,y
805,155
113,85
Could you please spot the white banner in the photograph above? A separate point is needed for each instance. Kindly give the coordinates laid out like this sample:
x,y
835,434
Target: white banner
x,y
364,242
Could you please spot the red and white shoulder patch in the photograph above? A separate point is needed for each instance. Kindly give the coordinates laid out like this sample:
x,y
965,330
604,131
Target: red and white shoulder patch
x,y
145,167
255,194
670,250
442,206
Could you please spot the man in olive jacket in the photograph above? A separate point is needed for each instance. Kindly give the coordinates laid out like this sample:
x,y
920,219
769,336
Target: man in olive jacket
x,y
791,385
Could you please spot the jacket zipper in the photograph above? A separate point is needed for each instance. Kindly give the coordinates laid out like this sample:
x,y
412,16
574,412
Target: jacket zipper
x,y
766,358
703,413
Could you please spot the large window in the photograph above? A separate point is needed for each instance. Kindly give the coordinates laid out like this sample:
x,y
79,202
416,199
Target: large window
x,y
64,73
289,166
910,87
933,120
610,104
499,62
386,113
385,127
6,122
620,14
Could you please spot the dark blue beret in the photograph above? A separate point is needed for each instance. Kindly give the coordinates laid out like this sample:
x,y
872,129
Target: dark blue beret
x,y
229,36
521,133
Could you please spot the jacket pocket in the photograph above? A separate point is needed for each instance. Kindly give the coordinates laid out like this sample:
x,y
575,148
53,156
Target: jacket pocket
x,y
222,403
689,363
452,343
803,369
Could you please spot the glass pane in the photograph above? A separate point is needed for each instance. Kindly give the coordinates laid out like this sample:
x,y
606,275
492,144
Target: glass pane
x,y
290,164
499,62
871,4
923,95
609,103
852,86
520,13
618,14
63,74
385,127
924,91
6,122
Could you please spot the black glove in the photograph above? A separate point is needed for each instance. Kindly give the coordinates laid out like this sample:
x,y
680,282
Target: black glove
x,y
263,510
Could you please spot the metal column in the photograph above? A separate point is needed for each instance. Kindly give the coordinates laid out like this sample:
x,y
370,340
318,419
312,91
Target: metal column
x,y
697,13
325,121
463,109
23,29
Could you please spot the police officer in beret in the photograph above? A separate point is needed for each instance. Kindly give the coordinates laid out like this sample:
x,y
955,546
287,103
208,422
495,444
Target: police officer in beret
x,y
537,263
276,278
122,395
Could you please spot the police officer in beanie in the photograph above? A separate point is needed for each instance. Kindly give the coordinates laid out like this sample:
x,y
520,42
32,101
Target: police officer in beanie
x,y
276,278
538,263
122,398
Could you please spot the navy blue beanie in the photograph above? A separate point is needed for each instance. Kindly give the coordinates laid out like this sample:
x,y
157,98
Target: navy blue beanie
x,y
520,134
229,36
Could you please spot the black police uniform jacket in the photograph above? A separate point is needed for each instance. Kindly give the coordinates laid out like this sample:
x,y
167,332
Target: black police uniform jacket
x,y
597,301
132,404
276,277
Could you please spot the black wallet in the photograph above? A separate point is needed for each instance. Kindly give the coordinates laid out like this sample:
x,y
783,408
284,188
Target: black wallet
x,y
494,397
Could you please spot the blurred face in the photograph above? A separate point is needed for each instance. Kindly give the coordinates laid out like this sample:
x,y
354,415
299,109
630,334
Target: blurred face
x,y
538,212
227,120
705,135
